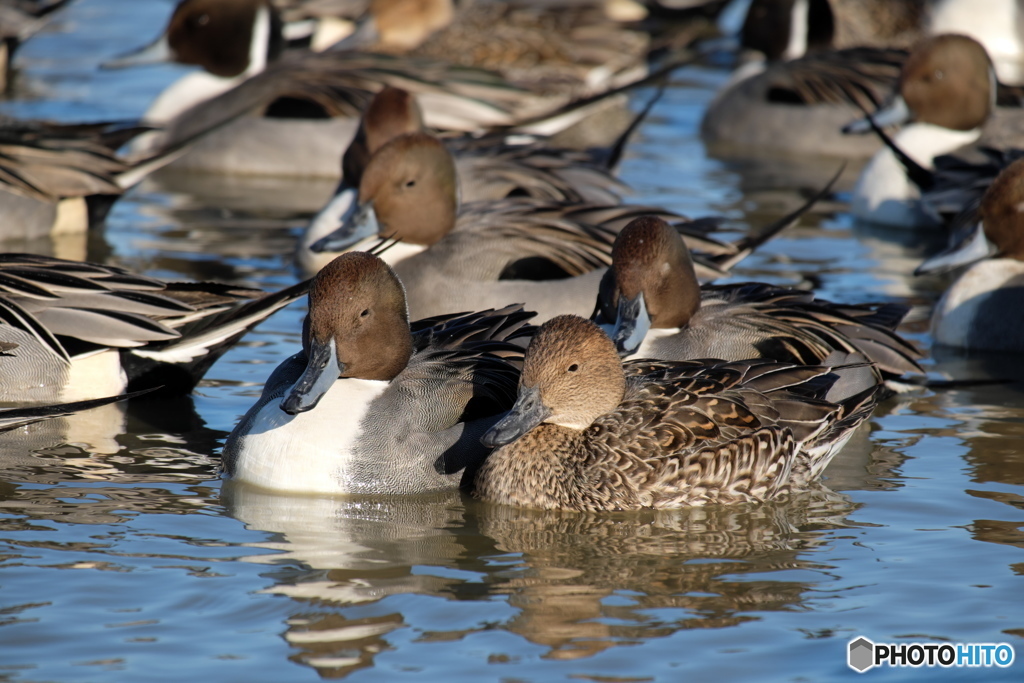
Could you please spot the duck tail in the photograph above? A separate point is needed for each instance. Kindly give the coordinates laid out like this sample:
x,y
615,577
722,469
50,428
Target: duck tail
x,y
179,364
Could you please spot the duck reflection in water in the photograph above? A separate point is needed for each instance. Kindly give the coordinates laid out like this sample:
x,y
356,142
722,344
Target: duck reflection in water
x,y
347,561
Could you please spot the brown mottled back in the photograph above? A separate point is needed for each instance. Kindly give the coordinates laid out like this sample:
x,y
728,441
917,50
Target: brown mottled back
x,y
414,188
948,81
359,302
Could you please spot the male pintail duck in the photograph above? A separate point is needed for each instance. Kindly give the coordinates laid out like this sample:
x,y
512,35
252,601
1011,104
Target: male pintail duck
x,y
485,254
304,104
488,167
371,405
85,330
980,310
796,100
946,97
652,306
587,433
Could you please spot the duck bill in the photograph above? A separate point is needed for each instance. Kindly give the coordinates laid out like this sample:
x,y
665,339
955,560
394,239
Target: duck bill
x,y
340,210
971,247
632,322
322,369
528,412
359,223
893,114
157,52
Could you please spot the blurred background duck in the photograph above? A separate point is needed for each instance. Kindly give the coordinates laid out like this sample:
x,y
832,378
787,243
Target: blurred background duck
x,y
587,433
306,103
810,64
944,103
980,310
19,21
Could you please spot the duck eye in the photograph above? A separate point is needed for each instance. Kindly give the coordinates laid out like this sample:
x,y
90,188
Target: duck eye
x,y
366,312
410,183
203,19
573,368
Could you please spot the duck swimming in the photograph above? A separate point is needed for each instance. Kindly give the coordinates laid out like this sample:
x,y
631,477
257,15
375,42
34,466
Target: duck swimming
x,y
85,330
945,102
372,404
653,307
484,254
588,433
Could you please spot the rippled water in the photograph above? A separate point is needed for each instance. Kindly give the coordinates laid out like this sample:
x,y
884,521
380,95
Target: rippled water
x,y
123,557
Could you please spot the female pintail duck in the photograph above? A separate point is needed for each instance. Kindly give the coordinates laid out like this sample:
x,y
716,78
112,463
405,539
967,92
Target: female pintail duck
x,y
572,48
946,97
796,99
305,104
980,310
652,306
85,330
484,254
487,168
371,405
587,433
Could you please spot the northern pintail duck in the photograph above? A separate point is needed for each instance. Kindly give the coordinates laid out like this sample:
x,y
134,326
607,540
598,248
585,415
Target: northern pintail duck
x,y
487,168
85,330
980,310
370,404
796,99
303,104
63,178
587,433
549,255
652,305
946,99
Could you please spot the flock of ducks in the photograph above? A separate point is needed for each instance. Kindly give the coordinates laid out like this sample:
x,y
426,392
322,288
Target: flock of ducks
x,y
484,312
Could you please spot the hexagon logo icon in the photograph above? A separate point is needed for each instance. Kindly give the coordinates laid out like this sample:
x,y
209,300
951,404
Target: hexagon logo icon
x,y
860,654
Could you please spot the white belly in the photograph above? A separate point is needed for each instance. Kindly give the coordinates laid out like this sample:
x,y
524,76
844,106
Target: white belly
x,y
884,194
309,452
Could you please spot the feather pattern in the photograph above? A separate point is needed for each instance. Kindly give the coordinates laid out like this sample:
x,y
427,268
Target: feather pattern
x,y
685,434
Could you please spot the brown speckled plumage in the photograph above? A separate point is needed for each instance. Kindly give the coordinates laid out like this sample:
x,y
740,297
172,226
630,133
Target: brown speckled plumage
x,y
682,434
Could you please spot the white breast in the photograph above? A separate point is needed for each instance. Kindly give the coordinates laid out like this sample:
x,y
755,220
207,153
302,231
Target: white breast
x,y
884,194
309,452
955,319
